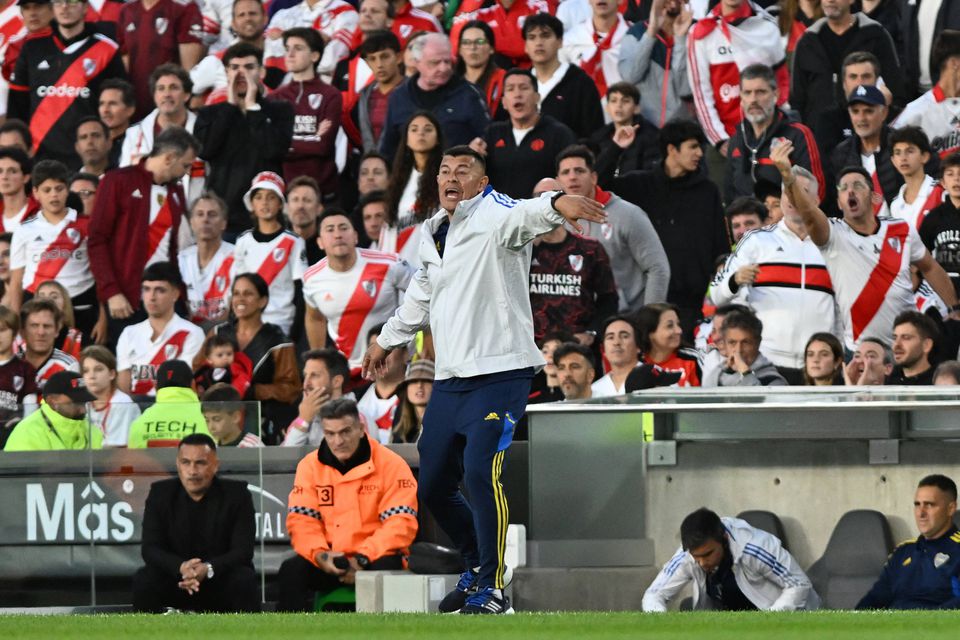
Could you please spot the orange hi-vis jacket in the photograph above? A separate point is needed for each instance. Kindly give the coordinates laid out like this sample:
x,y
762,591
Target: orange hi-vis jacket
x,y
371,509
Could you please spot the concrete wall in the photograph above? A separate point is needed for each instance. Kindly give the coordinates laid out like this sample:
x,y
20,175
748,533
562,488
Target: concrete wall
x,y
809,484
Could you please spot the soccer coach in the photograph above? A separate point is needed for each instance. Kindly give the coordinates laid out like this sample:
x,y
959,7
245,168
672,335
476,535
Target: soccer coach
x,y
472,293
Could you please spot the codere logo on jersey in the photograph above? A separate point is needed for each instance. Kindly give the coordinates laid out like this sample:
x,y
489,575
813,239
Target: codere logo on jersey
x,y
63,91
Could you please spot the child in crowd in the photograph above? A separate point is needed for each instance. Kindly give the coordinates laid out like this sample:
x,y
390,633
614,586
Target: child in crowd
x,y
223,362
223,411
909,151
17,376
113,410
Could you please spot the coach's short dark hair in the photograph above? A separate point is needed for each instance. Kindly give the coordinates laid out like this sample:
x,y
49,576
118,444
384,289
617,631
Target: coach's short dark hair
x,y
380,40
748,322
699,528
464,150
340,408
308,35
678,131
335,362
242,50
923,323
128,94
526,73
19,156
198,439
543,21
911,135
946,46
577,151
85,120
170,69
746,204
941,482
50,170
162,272
568,348
19,127
177,140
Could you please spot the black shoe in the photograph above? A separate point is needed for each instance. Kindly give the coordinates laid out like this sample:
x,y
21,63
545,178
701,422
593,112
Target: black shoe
x,y
454,601
486,601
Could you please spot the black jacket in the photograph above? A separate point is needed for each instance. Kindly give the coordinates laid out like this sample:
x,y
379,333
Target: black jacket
x,y
515,170
613,161
688,216
815,78
240,145
743,174
948,17
575,102
224,537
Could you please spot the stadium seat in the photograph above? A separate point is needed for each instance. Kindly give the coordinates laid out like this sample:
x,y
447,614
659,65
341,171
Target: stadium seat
x,y
851,563
766,521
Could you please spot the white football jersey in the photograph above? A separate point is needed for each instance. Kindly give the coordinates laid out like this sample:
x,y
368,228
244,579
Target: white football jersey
x,y
355,301
48,251
938,116
280,262
871,276
141,355
161,225
379,413
930,196
57,362
208,288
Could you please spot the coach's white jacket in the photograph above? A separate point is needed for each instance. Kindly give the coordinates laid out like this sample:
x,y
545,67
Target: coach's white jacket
x,y
766,573
476,300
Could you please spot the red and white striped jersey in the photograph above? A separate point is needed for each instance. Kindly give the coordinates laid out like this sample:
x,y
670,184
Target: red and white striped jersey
x,y
280,262
871,276
161,224
9,225
138,353
249,441
938,116
355,301
48,251
208,288
379,413
58,361
597,54
718,48
411,20
926,299
336,20
930,196
404,243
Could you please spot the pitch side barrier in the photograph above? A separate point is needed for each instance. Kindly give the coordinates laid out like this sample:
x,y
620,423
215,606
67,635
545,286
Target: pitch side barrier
x,y
612,478
70,528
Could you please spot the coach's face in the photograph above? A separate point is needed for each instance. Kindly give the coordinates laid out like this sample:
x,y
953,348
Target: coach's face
x,y
708,556
197,464
933,510
460,178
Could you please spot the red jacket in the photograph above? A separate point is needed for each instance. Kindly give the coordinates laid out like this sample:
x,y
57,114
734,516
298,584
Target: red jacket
x,y
119,230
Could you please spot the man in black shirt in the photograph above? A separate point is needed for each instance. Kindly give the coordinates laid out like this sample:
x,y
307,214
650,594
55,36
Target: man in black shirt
x,y
198,534
915,336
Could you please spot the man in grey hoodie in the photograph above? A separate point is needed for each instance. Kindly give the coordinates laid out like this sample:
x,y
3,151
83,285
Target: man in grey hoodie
x,y
745,366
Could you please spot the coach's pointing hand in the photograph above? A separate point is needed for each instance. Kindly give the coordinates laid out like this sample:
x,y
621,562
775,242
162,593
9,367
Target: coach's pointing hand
x,y
574,208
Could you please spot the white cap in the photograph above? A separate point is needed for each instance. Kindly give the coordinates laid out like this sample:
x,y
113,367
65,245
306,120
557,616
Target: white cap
x,y
265,180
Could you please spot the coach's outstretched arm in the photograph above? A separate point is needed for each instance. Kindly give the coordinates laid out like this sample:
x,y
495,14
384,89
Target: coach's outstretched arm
x,y
814,219
520,221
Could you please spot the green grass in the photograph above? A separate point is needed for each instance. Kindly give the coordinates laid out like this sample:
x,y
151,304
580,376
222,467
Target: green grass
x,y
527,626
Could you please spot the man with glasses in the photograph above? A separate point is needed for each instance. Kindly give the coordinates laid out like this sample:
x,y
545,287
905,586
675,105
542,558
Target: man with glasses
x,y
763,127
868,257
57,79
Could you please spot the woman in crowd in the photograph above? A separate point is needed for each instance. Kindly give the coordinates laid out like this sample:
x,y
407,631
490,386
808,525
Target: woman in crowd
x,y
276,375
823,361
113,410
70,340
660,336
476,63
795,16
414,394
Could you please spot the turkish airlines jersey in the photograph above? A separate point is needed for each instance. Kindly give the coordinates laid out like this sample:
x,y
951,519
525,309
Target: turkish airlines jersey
x,y
18,380
379,413
938,116
930,196
280,261
208,288
48,251
9,225
871,276
138,353
355,301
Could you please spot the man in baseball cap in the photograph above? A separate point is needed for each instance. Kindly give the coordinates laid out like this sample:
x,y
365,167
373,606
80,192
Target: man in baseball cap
x,y
176,413
59,422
